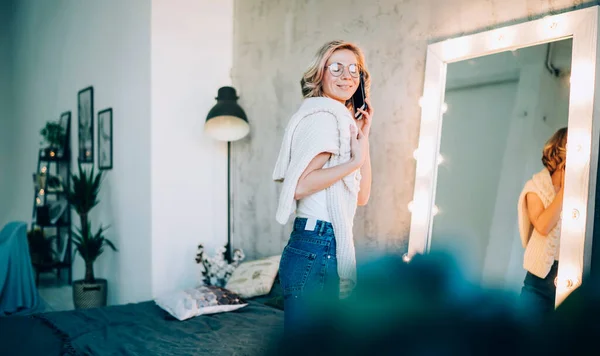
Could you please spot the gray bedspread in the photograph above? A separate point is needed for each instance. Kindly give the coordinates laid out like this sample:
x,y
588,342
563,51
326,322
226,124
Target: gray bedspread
x,y
145,329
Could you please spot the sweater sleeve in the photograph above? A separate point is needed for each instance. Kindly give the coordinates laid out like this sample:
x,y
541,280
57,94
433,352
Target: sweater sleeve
x,y
314,134
525,225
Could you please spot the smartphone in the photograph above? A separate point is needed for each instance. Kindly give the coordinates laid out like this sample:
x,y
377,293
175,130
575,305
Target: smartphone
x,y
358,99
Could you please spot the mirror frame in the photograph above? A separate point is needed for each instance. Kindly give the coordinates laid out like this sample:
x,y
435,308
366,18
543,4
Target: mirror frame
x,y
583,123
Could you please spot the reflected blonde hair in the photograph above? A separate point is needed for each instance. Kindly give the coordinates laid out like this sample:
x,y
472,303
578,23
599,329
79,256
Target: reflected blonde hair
x,y
312,80
554,154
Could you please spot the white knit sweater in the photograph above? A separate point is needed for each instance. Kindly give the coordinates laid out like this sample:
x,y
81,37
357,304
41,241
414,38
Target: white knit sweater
x,y
540,251
299,147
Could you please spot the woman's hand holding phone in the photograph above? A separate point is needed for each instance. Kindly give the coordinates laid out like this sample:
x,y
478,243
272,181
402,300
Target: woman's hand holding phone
x,y
364,124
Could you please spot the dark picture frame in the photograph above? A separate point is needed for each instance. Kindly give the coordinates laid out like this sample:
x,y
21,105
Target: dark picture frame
x,y
65,124
85,125
105,139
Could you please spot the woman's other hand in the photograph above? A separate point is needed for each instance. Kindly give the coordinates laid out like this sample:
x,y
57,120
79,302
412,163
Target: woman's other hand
x,y
364,124
359,144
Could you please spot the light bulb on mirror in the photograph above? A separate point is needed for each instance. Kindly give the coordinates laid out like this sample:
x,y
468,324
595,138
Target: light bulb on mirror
x,y
575,214
434,210
444,108
406,258
551,23
417,156
568,283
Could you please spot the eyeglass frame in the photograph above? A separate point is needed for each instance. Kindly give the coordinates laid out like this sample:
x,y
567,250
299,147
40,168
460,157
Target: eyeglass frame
x,y
344,67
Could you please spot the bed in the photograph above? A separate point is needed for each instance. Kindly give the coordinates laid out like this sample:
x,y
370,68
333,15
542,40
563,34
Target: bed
x,y
142,329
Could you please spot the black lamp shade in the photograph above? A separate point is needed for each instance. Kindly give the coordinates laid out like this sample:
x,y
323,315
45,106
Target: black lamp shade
x,y
227,121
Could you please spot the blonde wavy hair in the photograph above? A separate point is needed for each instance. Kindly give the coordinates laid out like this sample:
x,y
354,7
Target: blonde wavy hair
x,y
554,154
312,80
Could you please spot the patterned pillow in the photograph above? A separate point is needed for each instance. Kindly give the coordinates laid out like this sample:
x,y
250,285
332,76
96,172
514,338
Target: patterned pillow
x,y
202,300
254,278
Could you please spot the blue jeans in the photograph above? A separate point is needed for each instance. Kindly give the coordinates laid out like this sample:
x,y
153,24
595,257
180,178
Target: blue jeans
x,y
538,294
308,272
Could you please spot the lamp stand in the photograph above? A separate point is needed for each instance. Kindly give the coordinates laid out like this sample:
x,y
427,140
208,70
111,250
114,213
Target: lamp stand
x,y
228,246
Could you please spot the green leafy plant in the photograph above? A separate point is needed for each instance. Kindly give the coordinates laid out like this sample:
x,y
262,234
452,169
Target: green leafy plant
x,y
83,196
53,134
90,246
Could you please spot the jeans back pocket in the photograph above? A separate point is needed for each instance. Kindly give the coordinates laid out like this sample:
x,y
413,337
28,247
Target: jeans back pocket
x,y
294,269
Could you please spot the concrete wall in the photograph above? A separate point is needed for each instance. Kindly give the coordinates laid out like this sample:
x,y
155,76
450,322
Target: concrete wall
x,y
274,42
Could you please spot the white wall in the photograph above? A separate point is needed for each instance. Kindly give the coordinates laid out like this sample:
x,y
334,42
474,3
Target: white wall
x,y
63,46
192,44
474,135
6,119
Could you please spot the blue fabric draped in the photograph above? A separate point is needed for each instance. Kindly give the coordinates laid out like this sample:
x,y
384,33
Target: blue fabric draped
x,y
18,292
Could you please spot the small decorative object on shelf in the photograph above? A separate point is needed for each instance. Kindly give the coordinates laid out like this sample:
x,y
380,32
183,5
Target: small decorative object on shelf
x,y
216,270
53,135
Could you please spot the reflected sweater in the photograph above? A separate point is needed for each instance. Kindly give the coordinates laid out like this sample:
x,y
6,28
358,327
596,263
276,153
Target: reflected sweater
x,y
321,125
540,251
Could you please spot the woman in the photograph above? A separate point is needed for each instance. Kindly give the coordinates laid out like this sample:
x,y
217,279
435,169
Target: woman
x,y
325,168
540,206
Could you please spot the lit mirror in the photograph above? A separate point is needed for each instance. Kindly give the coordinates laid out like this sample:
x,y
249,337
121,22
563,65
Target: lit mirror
x,y
491,103
500,111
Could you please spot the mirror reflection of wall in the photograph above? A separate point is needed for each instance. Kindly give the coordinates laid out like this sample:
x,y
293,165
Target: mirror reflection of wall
x,y
501,109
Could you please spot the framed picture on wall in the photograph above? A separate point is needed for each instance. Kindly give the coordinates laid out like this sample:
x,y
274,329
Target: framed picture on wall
x,y
65,125
105,139
85,105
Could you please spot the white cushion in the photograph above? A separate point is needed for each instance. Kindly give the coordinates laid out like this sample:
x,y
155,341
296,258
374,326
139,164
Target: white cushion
x,y
254,278
202,300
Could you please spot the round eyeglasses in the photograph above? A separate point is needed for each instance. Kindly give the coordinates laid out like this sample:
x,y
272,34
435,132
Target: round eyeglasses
x,y
336,69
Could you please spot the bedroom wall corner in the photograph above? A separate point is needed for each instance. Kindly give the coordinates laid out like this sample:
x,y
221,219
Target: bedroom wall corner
x,y
61,47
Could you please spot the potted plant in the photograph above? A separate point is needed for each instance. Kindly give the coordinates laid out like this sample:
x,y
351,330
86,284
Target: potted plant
x,y
53,135
83,195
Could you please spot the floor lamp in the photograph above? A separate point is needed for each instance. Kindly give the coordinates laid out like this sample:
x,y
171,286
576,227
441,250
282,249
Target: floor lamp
x,y
227,121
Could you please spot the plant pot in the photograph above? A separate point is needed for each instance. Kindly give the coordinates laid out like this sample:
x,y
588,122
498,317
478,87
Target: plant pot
x,y
89,295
